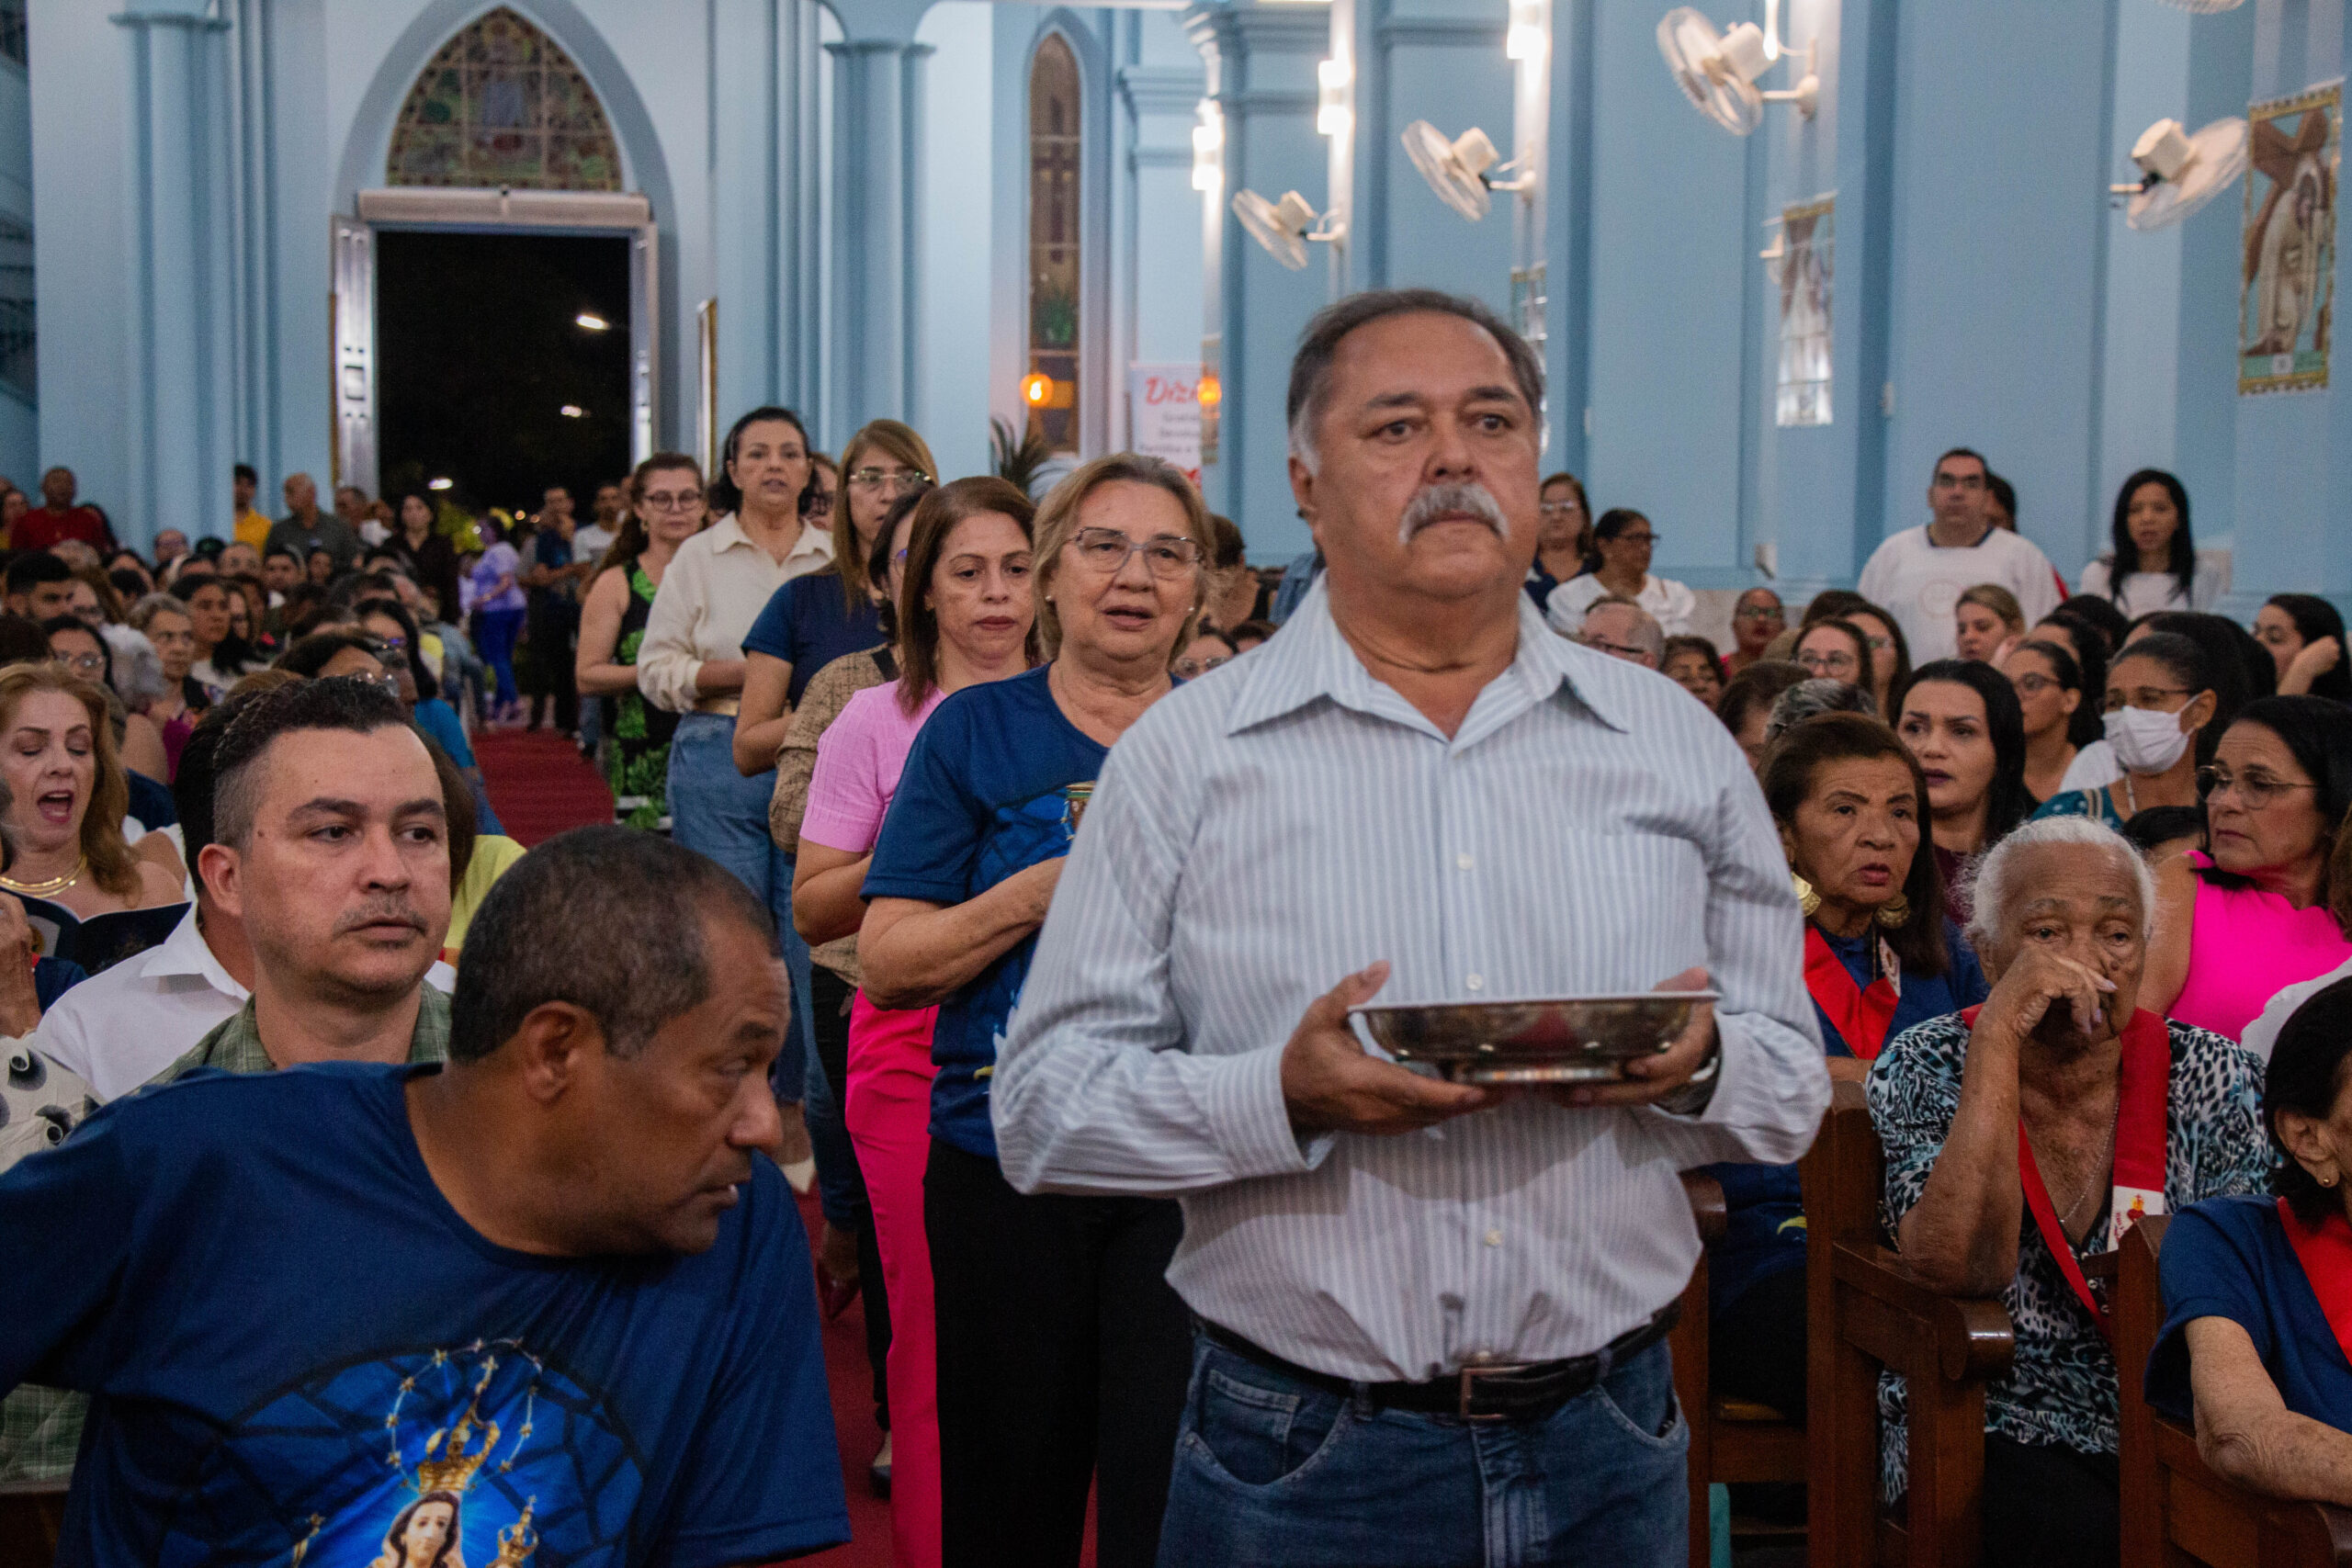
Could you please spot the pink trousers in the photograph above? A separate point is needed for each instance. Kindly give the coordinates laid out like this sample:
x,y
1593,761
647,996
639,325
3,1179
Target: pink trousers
x,y
887,1109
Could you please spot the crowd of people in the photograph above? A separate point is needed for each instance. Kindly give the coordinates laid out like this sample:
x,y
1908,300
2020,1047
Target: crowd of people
x,y
1141,1231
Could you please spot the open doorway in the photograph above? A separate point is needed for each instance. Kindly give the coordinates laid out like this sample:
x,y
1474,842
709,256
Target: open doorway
x,y
502,362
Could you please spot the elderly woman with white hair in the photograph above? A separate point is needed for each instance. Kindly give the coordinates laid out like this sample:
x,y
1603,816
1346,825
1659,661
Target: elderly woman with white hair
x,y
2027,1135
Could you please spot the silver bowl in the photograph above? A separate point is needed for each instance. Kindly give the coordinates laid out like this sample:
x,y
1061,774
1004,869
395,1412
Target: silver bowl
x,y
1539,1040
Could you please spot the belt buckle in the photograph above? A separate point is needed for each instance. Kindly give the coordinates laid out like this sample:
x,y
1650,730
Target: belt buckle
x,y
1467,1378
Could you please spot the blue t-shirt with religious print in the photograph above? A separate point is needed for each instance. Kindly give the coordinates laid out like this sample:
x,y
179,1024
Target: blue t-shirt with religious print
x,y
298,1351
2229,1258
985,794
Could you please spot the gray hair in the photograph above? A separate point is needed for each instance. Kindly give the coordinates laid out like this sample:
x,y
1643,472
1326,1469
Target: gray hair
x,y
1646,631
1310,368
609,920
1808,699
1993,885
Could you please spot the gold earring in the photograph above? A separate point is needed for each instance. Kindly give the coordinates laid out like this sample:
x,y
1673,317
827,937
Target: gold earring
x,y
1808,898
2327,1180
1895,912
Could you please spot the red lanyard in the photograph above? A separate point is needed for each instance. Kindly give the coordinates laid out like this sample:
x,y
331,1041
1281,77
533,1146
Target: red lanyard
x,y
2325,1252
1861,1014
2139,1179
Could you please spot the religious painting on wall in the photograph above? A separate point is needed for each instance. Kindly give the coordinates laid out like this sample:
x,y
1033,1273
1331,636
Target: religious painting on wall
x,y
1807,236
2286,297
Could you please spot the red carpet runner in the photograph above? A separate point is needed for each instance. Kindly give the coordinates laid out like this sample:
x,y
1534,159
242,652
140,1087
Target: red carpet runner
x,y
539,787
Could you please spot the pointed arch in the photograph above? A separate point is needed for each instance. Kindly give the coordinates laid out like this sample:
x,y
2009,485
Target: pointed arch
x,y
502,103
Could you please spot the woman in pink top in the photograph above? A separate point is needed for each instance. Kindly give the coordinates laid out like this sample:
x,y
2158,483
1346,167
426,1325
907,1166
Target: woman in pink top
x,y
963,615
2251,916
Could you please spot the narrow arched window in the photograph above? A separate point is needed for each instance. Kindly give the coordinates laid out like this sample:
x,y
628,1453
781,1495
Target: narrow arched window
x,y
1055,131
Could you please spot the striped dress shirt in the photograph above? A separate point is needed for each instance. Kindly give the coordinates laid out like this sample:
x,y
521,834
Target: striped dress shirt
x,y
1270,828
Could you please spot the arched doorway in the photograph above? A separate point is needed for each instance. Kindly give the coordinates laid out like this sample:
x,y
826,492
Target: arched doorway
x,y
497,299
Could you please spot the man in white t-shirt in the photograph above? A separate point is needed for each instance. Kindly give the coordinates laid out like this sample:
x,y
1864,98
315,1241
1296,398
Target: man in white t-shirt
x,y
1920,573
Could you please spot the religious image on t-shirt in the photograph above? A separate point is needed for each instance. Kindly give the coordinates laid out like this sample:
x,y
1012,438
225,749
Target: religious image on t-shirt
x,y
484,1456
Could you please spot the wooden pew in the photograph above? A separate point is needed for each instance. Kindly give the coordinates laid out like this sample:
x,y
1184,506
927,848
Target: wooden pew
x,y
1731,1440
1866,1310
2176,1512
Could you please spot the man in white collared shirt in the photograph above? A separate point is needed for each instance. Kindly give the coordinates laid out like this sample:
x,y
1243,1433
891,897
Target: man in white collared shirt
x,y
1433,1313
121,1028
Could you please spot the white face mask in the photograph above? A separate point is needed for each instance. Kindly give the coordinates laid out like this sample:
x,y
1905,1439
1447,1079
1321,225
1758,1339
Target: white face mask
x,y
2146,740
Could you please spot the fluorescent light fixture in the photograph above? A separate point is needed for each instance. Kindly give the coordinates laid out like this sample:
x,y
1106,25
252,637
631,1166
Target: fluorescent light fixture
x,y
1527,38
439,484
1208,142
573,410
592,322
1332,112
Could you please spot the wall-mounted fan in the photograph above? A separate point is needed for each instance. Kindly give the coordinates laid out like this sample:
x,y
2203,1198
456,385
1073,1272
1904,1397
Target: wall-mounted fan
x,y
1717,72
2180,171
1461,171
1284,226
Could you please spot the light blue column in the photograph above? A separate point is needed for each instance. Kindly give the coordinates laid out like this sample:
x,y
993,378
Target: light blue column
x,y
876,234
1261,61
179,416
1157,286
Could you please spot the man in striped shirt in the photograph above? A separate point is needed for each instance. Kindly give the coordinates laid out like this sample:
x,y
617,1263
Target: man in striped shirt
x,y
1431,1312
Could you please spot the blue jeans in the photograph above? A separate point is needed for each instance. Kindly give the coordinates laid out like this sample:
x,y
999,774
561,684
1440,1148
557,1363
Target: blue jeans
x,y
716,811
1270,1469
496,630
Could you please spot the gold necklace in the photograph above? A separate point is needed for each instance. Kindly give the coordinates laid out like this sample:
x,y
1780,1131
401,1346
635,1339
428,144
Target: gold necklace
x,y
55,885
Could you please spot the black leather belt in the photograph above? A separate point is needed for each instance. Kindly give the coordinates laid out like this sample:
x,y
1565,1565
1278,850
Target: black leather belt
x,y
1501,1392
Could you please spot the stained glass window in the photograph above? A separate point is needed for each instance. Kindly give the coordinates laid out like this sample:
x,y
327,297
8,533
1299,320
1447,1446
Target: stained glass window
x,y
501,105
1054,142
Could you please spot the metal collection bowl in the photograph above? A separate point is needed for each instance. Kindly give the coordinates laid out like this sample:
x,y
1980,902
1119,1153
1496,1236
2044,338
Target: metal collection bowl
x,y
1540,1040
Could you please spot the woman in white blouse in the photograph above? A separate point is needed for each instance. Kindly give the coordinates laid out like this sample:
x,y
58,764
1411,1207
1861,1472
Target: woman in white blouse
x,y
1624,539
2153,564
691,664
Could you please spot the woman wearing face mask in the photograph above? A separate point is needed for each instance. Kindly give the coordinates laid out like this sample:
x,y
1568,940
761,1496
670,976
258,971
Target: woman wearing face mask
x,y
2050,689
2159,702
2153,564
2243,920
1960,720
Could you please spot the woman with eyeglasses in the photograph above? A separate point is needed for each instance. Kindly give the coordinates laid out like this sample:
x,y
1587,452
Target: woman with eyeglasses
x,y
400,648
1624,539
140,743
2050,690
1563,537
1209,650
665,509
825,482
1756,620
2159,706
1063,1353
815,619
2250,914
1835,649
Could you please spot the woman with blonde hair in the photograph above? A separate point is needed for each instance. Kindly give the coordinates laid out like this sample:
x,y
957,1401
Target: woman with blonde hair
x,y
1989,622
1040,1387
69,798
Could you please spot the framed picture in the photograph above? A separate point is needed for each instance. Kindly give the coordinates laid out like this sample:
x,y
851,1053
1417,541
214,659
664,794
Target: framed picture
x,y
2286,293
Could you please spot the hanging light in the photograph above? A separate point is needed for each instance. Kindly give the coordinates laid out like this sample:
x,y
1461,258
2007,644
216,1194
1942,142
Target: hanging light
x,y
1527,38
439,484
589,321
1331,113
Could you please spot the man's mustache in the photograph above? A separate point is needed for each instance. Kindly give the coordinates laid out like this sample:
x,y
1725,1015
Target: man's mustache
x,y
378,912
1435,502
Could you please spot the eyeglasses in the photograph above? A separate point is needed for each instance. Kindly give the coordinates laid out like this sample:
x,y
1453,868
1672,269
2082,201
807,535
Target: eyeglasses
x,y
897,478
2254,791
1105,551
1827,663
1617,649
2144,697
1557,508
672,500
1761,613
82,663
1193,668
395,644
822,503
2033,684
